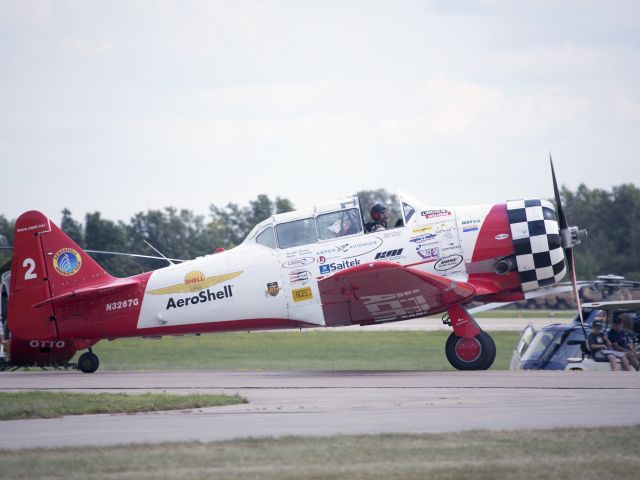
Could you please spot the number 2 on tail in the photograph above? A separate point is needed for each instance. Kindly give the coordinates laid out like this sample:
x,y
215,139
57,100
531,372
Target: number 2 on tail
x,y
30,265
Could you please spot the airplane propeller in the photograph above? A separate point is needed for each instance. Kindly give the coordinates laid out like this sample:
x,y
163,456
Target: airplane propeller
x,y
569,237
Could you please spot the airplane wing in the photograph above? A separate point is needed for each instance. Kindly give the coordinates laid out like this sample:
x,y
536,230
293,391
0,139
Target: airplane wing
x,y
385,291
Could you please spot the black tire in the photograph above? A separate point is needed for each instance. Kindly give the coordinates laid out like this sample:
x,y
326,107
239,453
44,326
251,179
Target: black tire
x,y
477,353
491,358
88,362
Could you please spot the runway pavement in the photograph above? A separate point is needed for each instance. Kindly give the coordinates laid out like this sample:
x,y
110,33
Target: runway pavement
x,y
330,403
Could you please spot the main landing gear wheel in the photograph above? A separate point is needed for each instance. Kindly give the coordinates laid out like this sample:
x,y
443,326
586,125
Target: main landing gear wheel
x,y
88,362
477,353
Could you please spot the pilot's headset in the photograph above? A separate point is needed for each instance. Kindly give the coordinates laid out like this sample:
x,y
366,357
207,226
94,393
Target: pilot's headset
x,y
376,211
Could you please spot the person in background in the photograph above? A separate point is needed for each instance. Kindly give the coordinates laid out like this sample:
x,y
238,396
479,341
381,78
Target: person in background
x,y
620,342
601,348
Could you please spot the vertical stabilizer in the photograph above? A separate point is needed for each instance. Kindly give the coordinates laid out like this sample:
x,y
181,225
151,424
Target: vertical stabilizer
x,y
46,263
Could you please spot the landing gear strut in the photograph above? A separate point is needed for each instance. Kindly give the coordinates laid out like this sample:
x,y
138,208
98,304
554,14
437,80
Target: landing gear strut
x,y
468,347
88,362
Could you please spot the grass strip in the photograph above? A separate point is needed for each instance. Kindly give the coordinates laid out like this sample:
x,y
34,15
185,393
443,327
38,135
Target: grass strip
x,y
524,454
306,350
57,404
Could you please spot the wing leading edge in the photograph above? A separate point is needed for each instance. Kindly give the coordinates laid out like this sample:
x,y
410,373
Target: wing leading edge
x,y
385,292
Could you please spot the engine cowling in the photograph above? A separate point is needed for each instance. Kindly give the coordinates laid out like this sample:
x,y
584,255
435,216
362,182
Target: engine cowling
x,y
538,251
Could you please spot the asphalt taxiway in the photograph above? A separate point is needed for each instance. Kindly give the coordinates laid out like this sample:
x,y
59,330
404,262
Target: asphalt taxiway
x,y
330,403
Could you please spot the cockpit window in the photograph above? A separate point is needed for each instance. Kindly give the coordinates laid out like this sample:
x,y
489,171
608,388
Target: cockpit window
x,y
267,238
339,224
408,212
293,234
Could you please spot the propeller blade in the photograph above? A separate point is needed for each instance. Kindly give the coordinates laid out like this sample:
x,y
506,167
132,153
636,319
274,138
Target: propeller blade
x,y
574,283
562,220
564,226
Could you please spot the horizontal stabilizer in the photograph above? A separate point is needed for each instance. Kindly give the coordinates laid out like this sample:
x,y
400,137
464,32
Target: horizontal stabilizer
x,y
85,293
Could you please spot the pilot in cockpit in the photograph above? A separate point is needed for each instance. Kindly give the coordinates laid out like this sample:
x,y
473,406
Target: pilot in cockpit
x,y
347,225
379,218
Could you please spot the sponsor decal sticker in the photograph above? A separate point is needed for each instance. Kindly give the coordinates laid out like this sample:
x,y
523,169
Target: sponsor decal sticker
x,y
67,261
502,236
272,289
202,297
194,282
351,250
441,212
302,294
426,228
298,253
298,262
447,263
335,266
389,254
423,238
299,277
427,253
445,228
470,228
473,221
391,234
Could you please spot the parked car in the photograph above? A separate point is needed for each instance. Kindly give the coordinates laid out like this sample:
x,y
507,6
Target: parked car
x,y
563,346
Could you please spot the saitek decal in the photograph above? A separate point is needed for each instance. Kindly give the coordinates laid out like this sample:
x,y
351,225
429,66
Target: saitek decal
x,y
302,294
502,236
335,266
194,282
67,261
448,263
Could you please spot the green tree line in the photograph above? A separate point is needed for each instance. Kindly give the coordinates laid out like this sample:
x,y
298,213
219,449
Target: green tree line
x,y
612,219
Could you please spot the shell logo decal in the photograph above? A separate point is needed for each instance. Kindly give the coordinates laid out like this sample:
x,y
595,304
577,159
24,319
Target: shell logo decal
x,y
67,261
194,281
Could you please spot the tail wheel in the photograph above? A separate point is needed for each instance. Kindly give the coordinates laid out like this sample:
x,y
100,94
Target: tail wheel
x,y
477,353
88,362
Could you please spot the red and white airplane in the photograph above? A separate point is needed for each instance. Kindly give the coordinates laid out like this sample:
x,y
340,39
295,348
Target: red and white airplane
x,y
294,270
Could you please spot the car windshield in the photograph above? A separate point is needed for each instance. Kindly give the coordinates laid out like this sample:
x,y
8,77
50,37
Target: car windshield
x,y
552,348
541,345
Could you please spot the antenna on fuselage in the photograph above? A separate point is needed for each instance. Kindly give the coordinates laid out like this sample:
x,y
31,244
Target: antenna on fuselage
x,y
159,252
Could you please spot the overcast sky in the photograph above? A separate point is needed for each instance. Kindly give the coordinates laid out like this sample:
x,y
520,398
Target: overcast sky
x,y
126,106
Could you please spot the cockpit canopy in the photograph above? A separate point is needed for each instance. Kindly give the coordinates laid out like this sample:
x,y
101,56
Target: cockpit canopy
x,y
312,225
324,222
